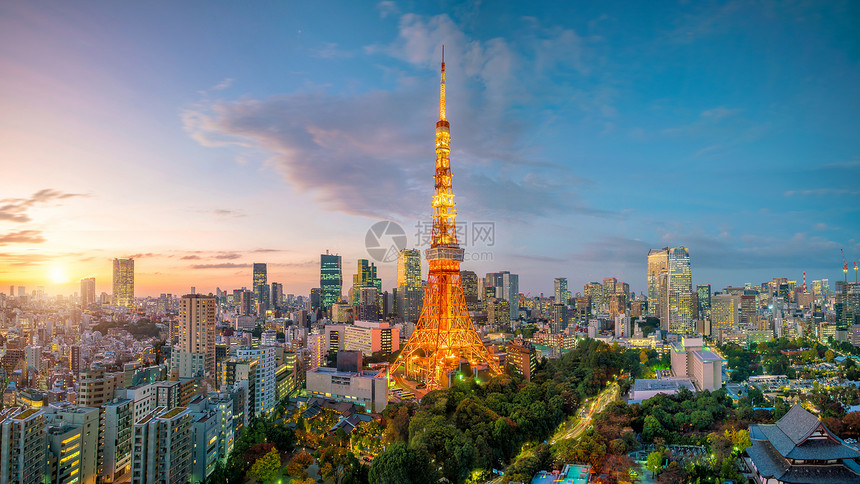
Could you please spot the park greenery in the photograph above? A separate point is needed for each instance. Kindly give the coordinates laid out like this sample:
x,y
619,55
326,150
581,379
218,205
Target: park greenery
x,y
463,433
470,428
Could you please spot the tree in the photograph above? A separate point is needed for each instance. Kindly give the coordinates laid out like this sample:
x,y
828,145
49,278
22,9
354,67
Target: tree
x,y
829,355
266,468
654,462
400,465
673,474
299,464
652,429
741,439
282,436
643,356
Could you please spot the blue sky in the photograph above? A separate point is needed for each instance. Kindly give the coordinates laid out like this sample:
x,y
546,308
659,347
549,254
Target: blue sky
x,y
204,136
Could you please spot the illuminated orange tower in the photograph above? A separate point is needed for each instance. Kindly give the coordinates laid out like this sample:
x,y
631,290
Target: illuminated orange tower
x,y
444,334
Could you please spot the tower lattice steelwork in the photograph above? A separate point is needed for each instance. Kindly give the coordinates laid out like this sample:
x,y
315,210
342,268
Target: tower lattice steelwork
x,y
444,334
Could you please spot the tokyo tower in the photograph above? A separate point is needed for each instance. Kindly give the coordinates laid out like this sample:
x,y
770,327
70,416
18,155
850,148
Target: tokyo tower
x,y
444,334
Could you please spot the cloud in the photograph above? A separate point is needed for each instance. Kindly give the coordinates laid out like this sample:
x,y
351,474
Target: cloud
x,y
228,213
190,257
387,8
228,256
226,83
329,50
371,153
822,192
843,165
15,209
719,113
225,265
141,255
22,237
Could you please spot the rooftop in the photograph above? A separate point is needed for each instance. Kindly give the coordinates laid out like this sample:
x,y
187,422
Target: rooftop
x,y
706,355
172,412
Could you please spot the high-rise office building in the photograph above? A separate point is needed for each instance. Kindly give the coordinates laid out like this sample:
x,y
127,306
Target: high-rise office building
x,y
749,309
331,279
609,289
123,282
703,295
562,295
368,305
261,287
365,276
508,288
277,294
409,288
88,291
724,314
680,297
195,354
470,289
594,292
658,263
558,321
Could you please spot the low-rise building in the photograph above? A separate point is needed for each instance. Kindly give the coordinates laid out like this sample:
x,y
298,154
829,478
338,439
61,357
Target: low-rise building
x,y
362,388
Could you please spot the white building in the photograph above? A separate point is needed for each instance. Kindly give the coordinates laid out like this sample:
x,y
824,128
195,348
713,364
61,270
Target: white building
x,y
162,447
22,449
115,455
704,367
265,383
363,388
370,337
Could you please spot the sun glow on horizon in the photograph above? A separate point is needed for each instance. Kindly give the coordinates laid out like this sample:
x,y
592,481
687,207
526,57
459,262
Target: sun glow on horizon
x,y
58,274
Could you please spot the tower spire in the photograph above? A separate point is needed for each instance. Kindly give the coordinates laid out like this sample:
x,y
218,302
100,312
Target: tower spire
x,y
442,89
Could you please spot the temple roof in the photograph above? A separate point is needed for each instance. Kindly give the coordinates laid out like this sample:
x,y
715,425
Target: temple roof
x,y
774,444
772,465
797,424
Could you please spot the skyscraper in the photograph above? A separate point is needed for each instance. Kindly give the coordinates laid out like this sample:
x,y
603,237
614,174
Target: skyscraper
x,y
703,293
609,287
680,297
409,284
594,292
658,263
196,351
277,294
88,291
331,279
724,314
470,289
365,276
507,287
123,282
562,295
261,287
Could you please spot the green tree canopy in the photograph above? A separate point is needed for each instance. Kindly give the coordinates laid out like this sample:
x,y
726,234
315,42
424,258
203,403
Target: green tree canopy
x,y
266,468
400,465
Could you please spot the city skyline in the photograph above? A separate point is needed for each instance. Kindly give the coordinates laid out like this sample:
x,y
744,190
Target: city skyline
x,y
615,130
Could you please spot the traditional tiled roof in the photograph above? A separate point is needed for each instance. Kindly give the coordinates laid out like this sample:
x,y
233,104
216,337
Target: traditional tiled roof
x,y
772,446
797,424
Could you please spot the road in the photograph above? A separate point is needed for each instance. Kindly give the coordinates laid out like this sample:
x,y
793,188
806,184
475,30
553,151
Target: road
x,y
593,407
